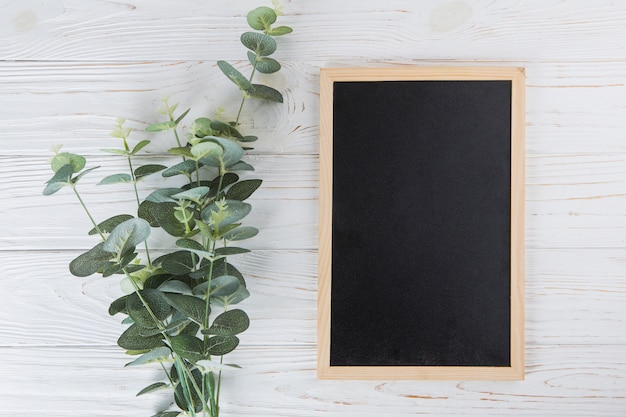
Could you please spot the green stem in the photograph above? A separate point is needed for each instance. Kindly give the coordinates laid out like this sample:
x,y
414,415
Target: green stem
x,y
82,203
179,361
134,181
245,96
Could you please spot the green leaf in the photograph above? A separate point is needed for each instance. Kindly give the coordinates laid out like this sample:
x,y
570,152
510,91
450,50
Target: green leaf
x,y
165,215
127,235
189,244
163,195
280,30
157,127
224,268
265,92
145,170
249,139
243,189
261,18
159,354
235,76
228,179
263,64
77,162
178,263
168,414
140,314
230,250
229,323
60,179
221,345
185,167
234,298
131,339
235,211
241,166
225,128
140,146
223,285
145,212
232,152
90,262
153,387
155,281
188,347
206,150
194,194
181,117
182,151
181,398
242,233
191,306
115,179
82,174
175,286
202,126
260,44
109,224
118,306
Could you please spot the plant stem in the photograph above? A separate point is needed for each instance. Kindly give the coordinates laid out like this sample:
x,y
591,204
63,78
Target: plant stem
x,y
134,181
245,96
82,203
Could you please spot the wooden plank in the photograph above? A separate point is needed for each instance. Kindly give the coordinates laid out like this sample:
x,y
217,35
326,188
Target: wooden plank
x,y
573,200
570,105
142,30
285,208
66,382
573,296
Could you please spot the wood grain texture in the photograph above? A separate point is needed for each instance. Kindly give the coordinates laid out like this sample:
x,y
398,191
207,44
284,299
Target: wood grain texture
x,y
69,68
138,30
562,380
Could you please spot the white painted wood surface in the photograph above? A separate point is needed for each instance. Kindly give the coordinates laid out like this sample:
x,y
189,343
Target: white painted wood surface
x,y
69,68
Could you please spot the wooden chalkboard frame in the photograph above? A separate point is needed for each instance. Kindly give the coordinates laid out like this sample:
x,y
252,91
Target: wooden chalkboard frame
x,y
515,371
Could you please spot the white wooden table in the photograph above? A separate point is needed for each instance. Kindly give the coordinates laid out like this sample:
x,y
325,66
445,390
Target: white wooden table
x,y
69,68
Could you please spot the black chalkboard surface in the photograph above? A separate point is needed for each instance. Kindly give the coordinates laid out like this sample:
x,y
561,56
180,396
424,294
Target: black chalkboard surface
x,y
421,231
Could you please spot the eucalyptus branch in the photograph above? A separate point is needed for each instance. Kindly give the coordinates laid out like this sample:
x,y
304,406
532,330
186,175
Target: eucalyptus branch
x,y
169,306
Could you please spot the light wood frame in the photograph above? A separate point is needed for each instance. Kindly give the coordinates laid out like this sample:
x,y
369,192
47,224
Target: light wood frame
x,y
327,78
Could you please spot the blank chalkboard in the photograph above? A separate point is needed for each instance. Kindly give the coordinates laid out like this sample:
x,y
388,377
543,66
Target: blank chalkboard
x,y
421,223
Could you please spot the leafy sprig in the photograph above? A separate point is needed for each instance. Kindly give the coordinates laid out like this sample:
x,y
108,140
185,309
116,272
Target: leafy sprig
x,y
179,308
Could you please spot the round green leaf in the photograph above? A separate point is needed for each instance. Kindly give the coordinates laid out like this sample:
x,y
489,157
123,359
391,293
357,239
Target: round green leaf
x,y
77,162
61,178
127,235
229,323
265,92
189,305
145,170
243,189
260,44
115,179
178,263
91,262
235,211
261,18
109,224
188,347
264,64
242,233
140,314
131,339
221,345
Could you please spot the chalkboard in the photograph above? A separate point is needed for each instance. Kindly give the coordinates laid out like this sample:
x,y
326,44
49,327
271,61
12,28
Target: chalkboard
x,y
421,251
